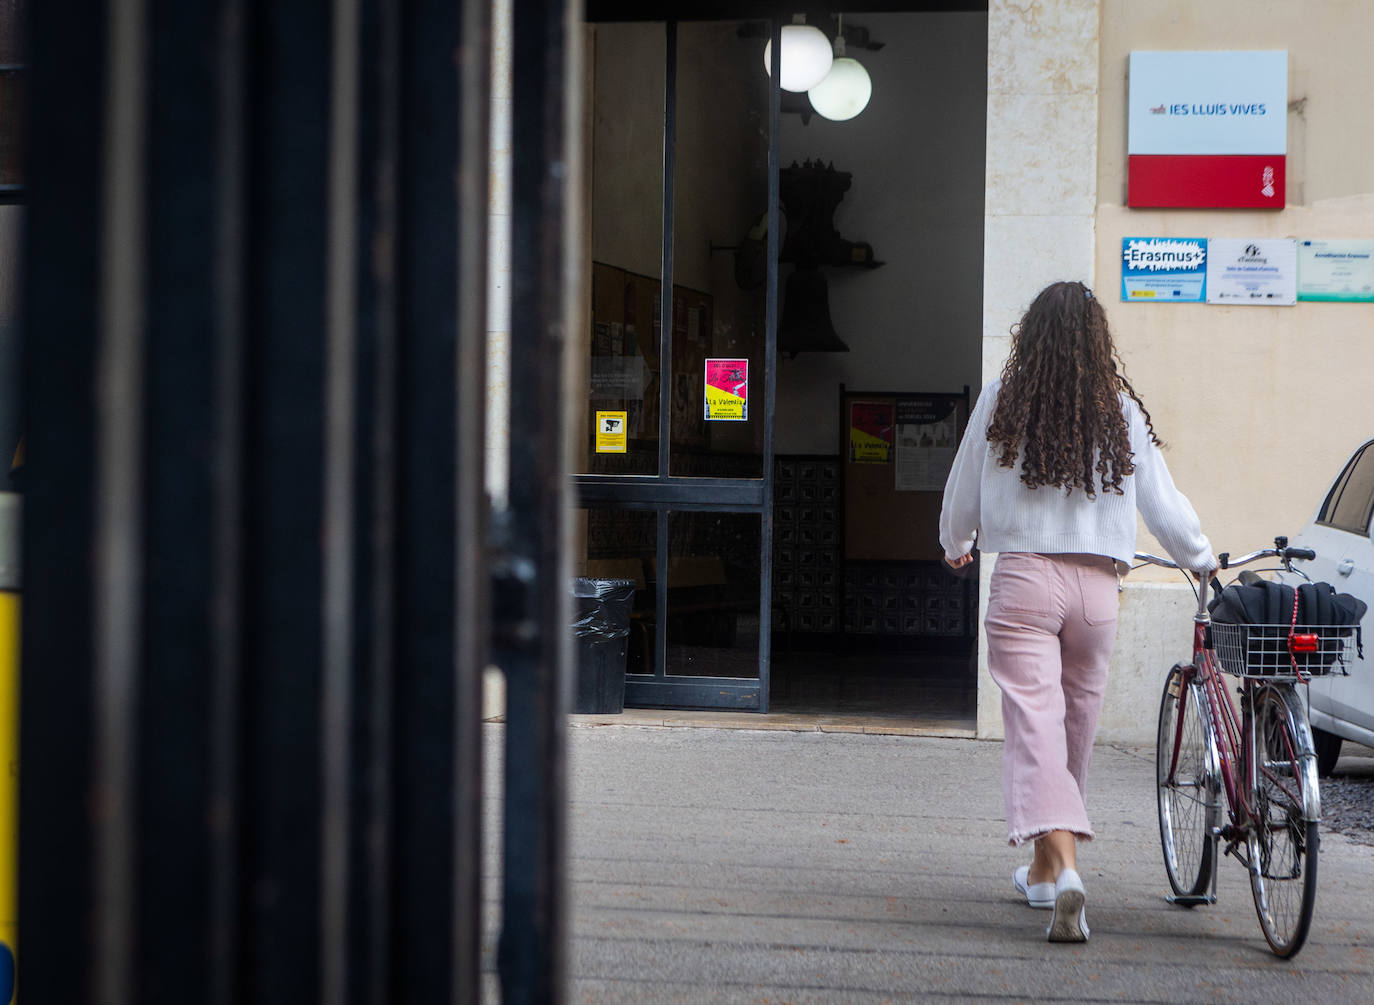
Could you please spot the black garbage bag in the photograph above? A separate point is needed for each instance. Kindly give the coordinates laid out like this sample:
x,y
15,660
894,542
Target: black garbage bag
x,y
601,626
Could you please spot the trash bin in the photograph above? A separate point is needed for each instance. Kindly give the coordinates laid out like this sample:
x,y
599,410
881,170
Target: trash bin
x,y
602,630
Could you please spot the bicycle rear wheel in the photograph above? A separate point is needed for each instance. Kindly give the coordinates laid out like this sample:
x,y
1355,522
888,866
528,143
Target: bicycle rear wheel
x,y
1283,867
1189,785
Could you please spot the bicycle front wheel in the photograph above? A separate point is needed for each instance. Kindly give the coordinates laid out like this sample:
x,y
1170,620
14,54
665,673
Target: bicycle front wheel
x,y
1283,867
1189,785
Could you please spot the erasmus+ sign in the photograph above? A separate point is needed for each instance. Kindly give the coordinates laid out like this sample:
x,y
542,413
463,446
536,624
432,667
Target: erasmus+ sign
x,y
1208,129
1164,269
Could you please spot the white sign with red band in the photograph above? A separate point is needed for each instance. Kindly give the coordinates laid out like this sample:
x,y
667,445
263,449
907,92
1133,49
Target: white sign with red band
x,y
1208,129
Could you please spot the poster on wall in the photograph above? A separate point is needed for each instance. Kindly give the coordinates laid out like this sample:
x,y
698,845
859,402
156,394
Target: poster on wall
x,y
1207,129
1164,269
615,377
927,436
611,432
1339,271
870,432
727,390
1259,272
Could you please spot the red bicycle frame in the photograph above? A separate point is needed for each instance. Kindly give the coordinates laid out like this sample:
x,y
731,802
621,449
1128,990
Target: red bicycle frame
x,y
1234,741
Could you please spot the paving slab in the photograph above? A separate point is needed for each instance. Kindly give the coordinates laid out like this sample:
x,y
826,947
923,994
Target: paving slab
x,y
809,866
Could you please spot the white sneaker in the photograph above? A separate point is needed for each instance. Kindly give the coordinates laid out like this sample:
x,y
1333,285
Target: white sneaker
x,y
1039,895
1070,921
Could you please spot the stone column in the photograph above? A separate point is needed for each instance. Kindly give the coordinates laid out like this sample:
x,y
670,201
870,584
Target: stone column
x,y
1041,187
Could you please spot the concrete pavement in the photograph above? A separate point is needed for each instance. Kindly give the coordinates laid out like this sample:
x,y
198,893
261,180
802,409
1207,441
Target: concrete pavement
x,y
726,865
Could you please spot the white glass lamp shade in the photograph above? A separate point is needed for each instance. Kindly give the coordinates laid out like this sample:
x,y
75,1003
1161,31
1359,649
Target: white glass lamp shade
x,y
806,57
844,92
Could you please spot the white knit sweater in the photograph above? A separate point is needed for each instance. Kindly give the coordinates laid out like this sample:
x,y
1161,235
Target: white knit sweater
x,y
985,498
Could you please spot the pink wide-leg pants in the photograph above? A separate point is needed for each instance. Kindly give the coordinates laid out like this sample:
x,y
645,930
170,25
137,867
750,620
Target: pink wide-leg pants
x,y
1051,623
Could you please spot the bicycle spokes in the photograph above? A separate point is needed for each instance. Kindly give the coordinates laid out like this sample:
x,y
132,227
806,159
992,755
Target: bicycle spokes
x,y
1283,844
1278,762
1188,791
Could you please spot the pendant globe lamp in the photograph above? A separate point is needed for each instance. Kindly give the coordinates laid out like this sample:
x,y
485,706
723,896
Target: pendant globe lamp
x,y
806,56
845,90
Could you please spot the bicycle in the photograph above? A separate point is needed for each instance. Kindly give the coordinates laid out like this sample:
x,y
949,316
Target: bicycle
x,y
1262,759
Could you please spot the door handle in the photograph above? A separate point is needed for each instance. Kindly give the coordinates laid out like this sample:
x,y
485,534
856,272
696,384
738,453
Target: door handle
x,y
1346,566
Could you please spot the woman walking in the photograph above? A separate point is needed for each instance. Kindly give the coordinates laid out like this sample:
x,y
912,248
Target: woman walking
x,y
1058,456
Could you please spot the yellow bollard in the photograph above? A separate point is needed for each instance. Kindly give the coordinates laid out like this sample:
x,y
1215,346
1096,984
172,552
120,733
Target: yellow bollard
x,y
10,568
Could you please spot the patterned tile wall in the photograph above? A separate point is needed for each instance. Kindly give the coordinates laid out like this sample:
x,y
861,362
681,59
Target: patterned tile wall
x,y
907,598
816,590
807,565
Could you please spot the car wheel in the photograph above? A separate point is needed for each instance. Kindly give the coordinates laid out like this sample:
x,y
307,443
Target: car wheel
x,y
1328,750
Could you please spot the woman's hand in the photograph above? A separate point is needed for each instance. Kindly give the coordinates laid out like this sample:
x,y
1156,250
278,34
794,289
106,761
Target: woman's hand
x,y
960,562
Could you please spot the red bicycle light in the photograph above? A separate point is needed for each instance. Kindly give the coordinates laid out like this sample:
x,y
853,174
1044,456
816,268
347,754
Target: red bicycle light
x,y
1302,643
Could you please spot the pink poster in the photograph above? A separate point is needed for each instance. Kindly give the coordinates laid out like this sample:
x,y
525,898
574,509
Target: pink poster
x,y
727,390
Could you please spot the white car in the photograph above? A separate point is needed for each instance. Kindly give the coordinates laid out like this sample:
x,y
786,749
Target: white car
x,y
1340,532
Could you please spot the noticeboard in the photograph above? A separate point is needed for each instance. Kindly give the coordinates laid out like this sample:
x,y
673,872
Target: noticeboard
x,y
897,450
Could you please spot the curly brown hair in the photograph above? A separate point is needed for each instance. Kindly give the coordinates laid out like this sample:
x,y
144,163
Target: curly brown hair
x,y
1060,401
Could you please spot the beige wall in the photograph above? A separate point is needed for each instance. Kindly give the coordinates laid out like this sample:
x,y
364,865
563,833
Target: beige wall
x,y
1259,405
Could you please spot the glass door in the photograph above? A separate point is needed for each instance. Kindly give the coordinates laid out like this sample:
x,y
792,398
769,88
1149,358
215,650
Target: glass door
x,y
675,443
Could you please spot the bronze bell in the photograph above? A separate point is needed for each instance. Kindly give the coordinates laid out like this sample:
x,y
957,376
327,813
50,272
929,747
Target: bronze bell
x,y
805,325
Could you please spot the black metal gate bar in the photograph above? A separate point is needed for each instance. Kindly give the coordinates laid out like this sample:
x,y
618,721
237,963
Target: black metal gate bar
x,y
370,902
271,660
436,807
61,296
225,61
119,524
338,685
189,666
534,601
472,607
281,729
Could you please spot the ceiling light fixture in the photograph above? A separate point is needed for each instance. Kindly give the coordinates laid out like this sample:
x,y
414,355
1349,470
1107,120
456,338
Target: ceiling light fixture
x,y
845,90
806,55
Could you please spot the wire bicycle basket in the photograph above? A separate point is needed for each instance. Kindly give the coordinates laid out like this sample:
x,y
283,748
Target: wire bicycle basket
x,y
1287,651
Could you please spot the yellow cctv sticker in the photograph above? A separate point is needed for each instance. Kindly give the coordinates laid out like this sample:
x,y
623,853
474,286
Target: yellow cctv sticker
x,y
611,435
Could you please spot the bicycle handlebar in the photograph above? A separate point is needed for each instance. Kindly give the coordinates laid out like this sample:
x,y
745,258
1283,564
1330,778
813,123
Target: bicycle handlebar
x,y
1281,551
1155,560
1284,554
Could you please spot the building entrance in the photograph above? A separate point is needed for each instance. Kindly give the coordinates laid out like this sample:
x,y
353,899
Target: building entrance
x,y
713,466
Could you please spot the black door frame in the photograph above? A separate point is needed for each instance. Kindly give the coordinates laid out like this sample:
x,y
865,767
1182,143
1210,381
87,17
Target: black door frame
x,y
664,492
